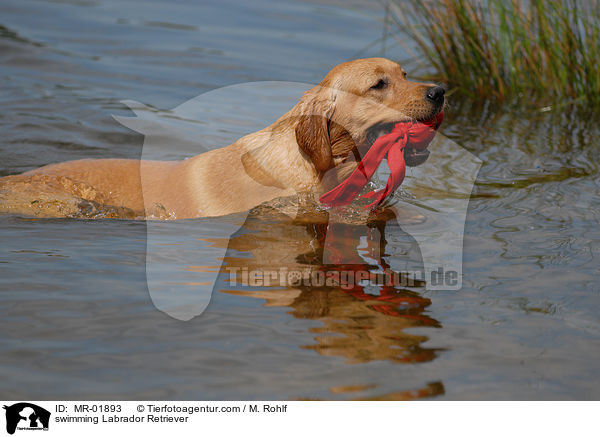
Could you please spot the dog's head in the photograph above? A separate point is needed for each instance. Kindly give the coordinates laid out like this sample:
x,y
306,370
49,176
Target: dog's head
x,y
356,103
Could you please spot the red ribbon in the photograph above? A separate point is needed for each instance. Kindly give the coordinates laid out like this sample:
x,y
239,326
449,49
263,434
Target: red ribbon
x,y
410,133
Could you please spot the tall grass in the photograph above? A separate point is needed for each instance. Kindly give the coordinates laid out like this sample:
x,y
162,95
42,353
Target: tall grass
x,y
536,51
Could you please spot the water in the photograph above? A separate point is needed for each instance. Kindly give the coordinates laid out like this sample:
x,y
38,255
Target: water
x,y
77,320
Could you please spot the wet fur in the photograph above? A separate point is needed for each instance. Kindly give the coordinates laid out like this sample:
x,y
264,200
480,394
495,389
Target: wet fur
x,y
309,149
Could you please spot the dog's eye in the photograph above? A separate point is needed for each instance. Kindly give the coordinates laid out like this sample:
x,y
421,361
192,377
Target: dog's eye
x,y
379,85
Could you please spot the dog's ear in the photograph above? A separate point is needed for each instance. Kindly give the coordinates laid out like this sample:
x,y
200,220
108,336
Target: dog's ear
x,y
312,134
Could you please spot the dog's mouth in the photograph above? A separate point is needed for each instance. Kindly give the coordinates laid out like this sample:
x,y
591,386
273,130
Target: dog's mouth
x,y
378,130
413,156
404,143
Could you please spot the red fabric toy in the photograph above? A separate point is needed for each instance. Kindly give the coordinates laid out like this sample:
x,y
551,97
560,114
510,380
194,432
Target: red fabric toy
x,y
411,133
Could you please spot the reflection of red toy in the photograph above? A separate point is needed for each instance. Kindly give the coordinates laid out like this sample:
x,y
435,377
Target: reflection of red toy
x,y
404,304
393,300
417,135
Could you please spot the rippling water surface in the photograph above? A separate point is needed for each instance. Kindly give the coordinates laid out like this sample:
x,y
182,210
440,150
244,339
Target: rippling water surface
x,y
77,320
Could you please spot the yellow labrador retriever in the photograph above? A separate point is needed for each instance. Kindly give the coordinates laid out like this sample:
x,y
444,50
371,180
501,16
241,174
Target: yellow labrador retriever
x,y
309,149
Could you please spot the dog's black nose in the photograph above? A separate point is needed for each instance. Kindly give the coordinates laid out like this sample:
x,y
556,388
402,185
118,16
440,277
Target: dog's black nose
x,y
436,94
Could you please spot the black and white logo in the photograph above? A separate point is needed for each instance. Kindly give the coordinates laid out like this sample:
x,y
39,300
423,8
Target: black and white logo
x,y
26,416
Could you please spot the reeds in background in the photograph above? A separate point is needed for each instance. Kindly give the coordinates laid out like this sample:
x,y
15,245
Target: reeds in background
x,y
537,51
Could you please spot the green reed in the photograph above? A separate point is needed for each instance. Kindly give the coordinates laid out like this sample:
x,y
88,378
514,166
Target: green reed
x,y
535,51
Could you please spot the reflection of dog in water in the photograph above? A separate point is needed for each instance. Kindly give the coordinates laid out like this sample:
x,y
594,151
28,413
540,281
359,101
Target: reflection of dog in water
x,y
26,415
361,323
370,319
